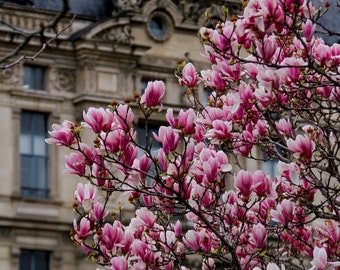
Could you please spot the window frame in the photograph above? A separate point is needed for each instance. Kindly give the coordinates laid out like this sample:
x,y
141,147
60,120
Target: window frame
x,y
28,259
34,77
36,185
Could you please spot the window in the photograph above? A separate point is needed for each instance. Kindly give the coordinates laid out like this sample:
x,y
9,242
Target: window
x,y
143,84
160,26
269,167
34,77
33,155
150,141
34,260
141,133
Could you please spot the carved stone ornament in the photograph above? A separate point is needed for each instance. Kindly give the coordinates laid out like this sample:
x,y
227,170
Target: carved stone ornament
x,y
124,6
119,34
63,79
10,75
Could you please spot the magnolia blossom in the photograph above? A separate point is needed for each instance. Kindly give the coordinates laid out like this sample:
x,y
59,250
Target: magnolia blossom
x,y
99,119
320,260
284,93
302,147
189,76
153,94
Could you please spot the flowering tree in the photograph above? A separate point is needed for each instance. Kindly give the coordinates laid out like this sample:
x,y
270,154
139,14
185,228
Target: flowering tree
x,y
275,89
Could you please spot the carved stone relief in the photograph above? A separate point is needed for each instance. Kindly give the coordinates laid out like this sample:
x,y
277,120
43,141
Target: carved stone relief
x,y
119,34
63,79
10,75
123,6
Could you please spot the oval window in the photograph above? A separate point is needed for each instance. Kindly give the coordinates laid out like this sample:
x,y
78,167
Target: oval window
x,y
160,26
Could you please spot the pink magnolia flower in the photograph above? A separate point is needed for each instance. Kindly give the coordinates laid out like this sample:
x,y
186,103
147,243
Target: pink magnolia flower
x,y
319,261
244,143
115,140
322,53
99,212
153,94
302,147
99,119
119,263
62,134
212,78
284,212
146,216
75,163
168,137
220,131
229,71
187,121
124,116
85,192
267,48
244,183
192,239
144,164
178,228
258,236
308,29
290,171
285,127
263,185
112,234
84,228
189,76
208,264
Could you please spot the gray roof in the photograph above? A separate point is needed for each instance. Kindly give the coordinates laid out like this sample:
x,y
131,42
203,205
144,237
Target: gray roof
x,y
92,8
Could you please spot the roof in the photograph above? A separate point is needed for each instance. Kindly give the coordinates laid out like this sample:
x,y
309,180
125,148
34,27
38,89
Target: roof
x,y
92,8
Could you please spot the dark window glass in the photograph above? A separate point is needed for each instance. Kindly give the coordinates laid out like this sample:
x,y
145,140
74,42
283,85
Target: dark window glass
x,y
34,260
34,155
34,77
157,27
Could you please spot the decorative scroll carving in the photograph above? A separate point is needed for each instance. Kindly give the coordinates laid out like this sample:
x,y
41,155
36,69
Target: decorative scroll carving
x,y
119,34
63,79
10,75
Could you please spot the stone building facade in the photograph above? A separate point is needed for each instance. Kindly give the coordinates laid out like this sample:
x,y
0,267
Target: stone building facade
x,y
109,52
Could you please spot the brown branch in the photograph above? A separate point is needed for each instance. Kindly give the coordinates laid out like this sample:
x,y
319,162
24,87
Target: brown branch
x,y
41,32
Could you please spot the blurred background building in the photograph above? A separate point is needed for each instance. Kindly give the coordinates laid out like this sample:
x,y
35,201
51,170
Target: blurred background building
x,y
109,52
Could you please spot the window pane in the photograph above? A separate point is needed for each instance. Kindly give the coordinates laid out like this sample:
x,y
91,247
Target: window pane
x,y
25,260
25,122
39,123
25,162
25,144
143,85
40,175
39,145
34,260
34,77
34,158
28,77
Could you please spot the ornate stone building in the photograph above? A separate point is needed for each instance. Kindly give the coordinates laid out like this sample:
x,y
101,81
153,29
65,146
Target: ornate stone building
x,y
109,52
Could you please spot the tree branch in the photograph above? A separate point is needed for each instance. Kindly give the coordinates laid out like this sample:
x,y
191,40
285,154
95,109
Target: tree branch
x,y
38,33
